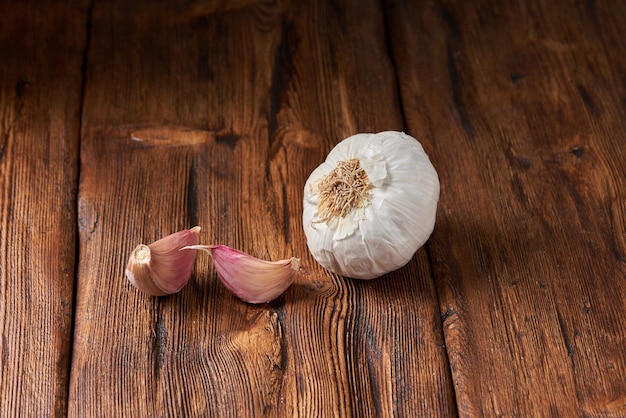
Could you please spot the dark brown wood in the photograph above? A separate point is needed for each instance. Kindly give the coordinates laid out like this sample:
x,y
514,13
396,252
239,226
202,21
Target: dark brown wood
x,y
217,117
122,122
348,349
40,92
523,110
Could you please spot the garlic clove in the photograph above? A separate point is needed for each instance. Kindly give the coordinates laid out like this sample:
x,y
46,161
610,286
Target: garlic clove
x,y
160,268
249,278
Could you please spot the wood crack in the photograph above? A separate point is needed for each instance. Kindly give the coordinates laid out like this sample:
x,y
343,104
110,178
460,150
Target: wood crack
x,y
192,194
159,342
282,74
457,94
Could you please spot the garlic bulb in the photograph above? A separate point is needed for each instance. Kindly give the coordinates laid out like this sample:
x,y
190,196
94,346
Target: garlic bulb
x,y
371,205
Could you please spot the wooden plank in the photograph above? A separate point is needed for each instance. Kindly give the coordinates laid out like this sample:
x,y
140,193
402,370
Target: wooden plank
x,y
233,105
522,107
148,80
353,348
40,91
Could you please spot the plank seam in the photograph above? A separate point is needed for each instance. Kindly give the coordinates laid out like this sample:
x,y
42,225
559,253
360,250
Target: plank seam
x,y
395,66
83,72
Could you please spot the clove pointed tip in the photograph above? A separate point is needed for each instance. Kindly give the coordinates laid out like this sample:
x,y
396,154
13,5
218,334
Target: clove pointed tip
x,y
205,248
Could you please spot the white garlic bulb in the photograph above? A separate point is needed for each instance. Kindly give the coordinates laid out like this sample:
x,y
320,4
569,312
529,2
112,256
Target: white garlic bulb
x,y
371,205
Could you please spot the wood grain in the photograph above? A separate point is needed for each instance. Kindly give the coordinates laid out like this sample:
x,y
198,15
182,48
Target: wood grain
x,y
202,116
40,93
122,122
354,356
523,110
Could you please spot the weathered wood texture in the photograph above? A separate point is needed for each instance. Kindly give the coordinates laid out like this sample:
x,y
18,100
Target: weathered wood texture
x,y
216,117
213,113
40,91
524,109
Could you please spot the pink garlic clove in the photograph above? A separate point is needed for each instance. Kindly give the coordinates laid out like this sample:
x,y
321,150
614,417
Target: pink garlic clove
x,y
249,278
160,268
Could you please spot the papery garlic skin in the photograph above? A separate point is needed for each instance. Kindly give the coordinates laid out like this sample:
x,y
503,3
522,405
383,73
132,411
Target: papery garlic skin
x,y
249,278
160,268
394,221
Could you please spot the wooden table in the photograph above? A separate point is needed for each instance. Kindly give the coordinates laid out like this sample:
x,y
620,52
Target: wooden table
x,y
515,307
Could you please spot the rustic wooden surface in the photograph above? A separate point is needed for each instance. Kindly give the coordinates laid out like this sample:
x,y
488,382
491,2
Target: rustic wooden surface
x,y
530,250
40,96
122,122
